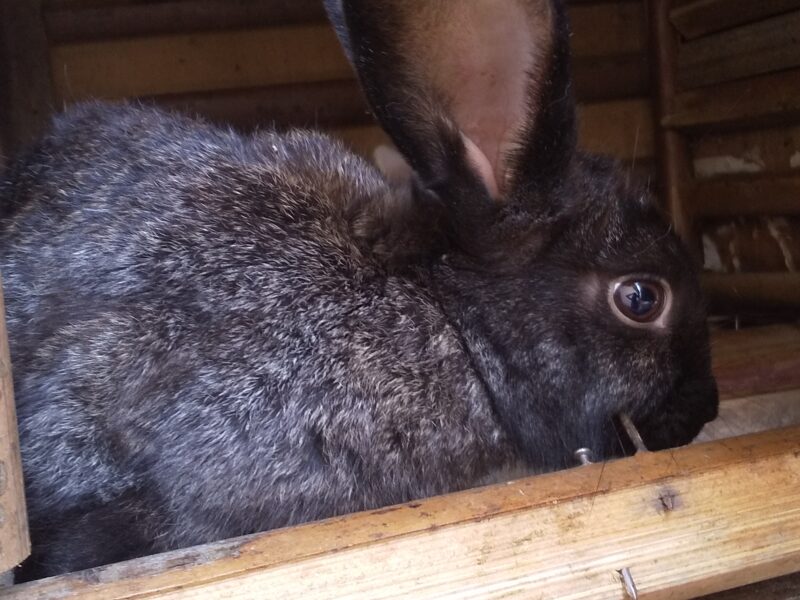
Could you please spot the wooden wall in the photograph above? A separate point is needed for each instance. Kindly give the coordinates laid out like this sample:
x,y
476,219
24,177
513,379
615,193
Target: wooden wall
x,y
262,62
728,124
733,102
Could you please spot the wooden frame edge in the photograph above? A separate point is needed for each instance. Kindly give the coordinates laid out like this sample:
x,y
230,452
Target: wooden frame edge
x,y
686,522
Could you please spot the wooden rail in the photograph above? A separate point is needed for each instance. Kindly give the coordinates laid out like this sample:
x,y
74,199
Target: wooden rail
x,y
686,522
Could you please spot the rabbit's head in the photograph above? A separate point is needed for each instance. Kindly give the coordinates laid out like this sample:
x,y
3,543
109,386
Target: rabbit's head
x,y
574,297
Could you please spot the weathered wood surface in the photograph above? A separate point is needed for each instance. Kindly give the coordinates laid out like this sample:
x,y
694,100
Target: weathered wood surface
x,y
766,99
276,46
14,542
752,245
701,17
731,508
674,166
752,292
756,360
753,414
746,196
601,29
754,49
748,152
170,64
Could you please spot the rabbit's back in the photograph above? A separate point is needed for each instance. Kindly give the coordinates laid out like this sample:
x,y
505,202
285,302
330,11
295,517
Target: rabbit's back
x,y
202,348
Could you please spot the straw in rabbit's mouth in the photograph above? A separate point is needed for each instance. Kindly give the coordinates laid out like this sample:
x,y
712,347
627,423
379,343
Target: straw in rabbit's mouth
x,y
585,455
633,434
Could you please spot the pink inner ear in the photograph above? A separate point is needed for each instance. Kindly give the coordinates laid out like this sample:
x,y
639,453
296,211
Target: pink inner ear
x,y
485,57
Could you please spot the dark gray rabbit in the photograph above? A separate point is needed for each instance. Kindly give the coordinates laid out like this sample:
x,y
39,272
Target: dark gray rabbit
x,y
215,334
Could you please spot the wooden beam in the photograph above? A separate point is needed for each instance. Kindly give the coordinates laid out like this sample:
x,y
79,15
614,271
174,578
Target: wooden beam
x,y
756,360
701,17
675,171
760,100
107,20
752,292
746,196
755,49
321,104
607,29
14,542
172,64
685,522
747,152
600,29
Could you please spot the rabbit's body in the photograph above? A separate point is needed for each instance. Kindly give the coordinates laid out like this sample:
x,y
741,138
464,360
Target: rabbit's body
x,y
215,334
202,346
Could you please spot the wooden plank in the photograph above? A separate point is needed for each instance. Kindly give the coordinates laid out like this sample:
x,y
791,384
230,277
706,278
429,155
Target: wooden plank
x,y
611,77
14,541
27,97
731,508
340,103
753,414
600,29
756,360
763,47
752,292
701,17
114,20
752,245
674,173
313,105
172,64
621,128
607,29
760,100
746,196
751,151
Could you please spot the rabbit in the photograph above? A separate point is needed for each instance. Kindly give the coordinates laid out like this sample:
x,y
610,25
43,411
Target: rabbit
x,y
215,334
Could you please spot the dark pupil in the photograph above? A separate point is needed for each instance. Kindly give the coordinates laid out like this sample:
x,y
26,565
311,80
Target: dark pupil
x,y
641,298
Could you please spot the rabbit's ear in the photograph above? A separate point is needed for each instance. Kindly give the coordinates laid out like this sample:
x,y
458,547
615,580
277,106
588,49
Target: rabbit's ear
x,y
474,93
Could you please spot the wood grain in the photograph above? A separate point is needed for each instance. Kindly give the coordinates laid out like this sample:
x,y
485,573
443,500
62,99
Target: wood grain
x,y
171,64
752,292
763,100
14,542
107,20
749,151
701,17
674,166
752,414
746,196
756,360
755,49
730,507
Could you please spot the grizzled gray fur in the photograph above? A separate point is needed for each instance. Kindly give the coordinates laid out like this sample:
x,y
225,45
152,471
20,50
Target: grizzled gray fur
x,y
214,334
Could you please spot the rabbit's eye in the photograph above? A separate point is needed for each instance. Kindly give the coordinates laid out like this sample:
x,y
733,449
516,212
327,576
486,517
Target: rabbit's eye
x,y
640,300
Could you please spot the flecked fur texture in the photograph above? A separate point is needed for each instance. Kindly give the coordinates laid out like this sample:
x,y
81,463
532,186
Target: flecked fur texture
x,y
214,334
